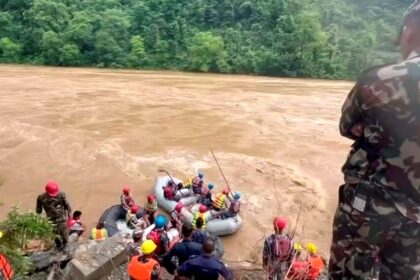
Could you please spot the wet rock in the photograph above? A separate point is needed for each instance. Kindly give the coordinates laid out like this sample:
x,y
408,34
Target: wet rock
x,y
98,261
42,260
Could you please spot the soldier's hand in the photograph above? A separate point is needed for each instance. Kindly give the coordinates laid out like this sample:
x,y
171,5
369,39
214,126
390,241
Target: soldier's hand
x,y
357,130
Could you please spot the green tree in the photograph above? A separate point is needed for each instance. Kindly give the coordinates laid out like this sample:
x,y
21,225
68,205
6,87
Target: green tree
x,y
51,46
70,55
206,53
9,50
137,56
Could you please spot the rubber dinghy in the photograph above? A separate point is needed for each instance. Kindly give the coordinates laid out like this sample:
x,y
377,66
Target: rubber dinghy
x,y
114,222
214,226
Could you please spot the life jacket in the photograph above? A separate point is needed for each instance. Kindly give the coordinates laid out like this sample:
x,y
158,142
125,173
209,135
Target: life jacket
x,y
128,200
235,207
202,216
151,207
316,266
99,234
187,183
169,192
156,237
129,217
281,248
71,222
6,270
141,268
219,202
197,182
298,270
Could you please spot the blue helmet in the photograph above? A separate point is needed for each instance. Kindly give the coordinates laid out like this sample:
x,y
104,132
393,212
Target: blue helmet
x,y
160,221
211,186
237,196
200,175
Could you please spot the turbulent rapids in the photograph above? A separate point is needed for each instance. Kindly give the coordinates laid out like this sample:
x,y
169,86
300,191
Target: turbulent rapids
x,y
94,131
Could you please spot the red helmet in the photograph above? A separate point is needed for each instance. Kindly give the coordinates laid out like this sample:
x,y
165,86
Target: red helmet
x,y
134,209
151,198
126,190
280,223
179,207
225,191
52,188
203,208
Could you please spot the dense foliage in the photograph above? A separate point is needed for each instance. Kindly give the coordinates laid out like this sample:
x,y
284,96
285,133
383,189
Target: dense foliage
x,y
311,38
18,229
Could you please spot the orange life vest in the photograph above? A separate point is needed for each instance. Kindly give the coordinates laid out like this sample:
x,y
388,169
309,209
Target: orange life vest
x,y
6,269
219,202
316,266
99,234
141,268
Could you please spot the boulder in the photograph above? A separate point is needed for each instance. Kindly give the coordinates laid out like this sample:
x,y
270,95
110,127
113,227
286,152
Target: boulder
x,y
97,261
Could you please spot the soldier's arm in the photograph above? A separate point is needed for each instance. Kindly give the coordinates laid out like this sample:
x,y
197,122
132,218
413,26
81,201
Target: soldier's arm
x,y
351,113
38,205
66,205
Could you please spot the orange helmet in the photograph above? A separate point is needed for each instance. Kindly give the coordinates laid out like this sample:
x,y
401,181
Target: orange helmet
x,y
52,188
225,190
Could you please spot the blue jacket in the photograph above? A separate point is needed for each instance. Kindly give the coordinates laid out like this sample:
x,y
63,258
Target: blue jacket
x,y
205,268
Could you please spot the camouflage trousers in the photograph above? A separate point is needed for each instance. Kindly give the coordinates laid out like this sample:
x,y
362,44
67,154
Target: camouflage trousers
x,y
60,228
380,233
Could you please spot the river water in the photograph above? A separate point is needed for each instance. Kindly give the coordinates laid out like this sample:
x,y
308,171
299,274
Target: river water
x,y
94,131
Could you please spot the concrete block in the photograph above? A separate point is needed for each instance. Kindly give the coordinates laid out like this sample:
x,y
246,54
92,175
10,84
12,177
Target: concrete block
x,y
97,261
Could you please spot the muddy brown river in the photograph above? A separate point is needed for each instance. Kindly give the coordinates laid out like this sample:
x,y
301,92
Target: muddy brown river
x,y
96,130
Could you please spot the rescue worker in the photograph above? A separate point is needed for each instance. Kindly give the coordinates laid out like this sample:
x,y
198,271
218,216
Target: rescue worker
x,y
170,190
133,249
299,267
205,266
182,250
150,209
159,237
277,250
234,207
131,218
206,195
176,218
144,267
219,203
378,215
99,233
197,183
201,213
75,226
316,263
58,210
127,200
199,234
6,270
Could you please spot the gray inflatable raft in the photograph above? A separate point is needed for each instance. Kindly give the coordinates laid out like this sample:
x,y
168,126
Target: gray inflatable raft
x,y
216,226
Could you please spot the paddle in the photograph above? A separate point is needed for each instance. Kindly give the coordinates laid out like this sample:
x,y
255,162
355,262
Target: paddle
x,y
221,172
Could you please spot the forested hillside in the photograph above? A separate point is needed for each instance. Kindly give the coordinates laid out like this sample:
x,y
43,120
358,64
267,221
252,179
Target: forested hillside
x,y
308,38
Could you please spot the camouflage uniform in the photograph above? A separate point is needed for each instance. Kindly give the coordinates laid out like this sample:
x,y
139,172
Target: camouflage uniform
x,y
57,210
383,169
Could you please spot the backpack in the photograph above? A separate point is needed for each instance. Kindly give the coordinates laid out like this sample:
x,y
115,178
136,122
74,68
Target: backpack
x,y
281,247
168,193
156,237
